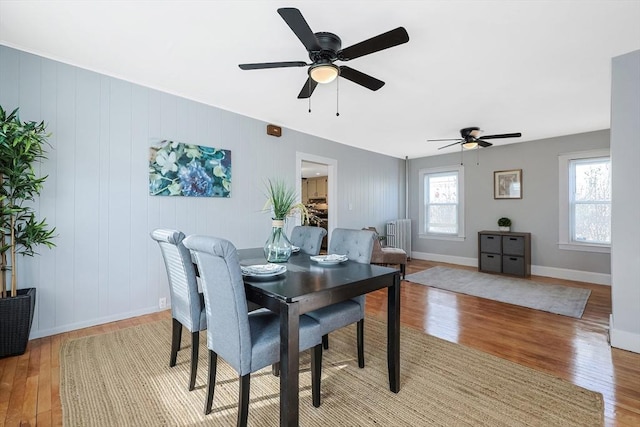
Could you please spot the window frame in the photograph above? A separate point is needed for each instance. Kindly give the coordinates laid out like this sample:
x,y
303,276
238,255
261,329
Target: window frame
x,y
566,185
422,232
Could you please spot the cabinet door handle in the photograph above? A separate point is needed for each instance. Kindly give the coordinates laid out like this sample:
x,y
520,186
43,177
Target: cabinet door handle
x,y
512,238
489,256
513,259
490,237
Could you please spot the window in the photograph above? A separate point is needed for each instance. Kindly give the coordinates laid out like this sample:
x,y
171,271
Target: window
x,y
585,201
442,203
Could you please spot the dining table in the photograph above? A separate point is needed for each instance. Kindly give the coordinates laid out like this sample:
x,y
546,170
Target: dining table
x,y
309,285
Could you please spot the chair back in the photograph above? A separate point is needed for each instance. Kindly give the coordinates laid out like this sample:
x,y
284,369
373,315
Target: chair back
x,y
308,238
357,245
377,256
387,255
186,305
225,299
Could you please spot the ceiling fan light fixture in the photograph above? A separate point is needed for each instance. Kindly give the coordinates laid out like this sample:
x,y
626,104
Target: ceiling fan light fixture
x,y
323,73
470,145
475,133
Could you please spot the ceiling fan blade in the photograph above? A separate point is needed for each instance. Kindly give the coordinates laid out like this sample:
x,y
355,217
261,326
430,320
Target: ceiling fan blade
x,y
380,42
300,28
445,139
482,143
308,88
360,78
445,146
504,135
262,65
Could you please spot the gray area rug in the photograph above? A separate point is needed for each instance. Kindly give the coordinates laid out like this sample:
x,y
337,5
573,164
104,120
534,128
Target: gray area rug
x,y
558,299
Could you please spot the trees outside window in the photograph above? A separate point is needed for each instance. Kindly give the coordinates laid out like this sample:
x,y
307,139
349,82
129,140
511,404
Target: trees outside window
x,y
585,201
442,203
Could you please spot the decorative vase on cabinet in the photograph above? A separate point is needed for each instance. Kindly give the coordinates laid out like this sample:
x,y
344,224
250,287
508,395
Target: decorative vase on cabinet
x,y
504,224
277,247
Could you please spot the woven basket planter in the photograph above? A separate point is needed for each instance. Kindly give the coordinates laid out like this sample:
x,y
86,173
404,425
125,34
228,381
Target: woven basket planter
x,y
16,317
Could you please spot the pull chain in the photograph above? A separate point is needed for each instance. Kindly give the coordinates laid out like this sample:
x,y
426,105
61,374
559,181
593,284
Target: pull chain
x,y
461,149
337,95
309,87
477,155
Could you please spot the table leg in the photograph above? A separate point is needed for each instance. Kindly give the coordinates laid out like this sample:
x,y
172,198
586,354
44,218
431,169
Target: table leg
x,y
393,334
289,364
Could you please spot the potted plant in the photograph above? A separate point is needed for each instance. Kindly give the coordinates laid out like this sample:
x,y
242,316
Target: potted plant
x,y
282,203
21,147
504,224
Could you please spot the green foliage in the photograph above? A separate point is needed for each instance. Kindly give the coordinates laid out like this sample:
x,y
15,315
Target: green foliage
x,y
281,201
504,222
21,148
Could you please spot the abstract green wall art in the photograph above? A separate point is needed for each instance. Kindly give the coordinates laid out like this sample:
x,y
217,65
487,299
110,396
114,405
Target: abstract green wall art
x,y
178,169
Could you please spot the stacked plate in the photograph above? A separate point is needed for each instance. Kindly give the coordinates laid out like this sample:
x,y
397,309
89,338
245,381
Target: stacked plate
x,y
263,270
331,259
295,249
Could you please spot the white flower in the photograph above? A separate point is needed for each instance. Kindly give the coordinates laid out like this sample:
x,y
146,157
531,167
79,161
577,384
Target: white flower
x,y
167,161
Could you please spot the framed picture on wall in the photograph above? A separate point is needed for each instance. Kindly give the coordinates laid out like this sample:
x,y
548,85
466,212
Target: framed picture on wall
x,y
507,184
179,169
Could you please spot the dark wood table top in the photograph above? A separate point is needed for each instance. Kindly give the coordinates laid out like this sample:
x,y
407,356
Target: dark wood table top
x,y
306,286
305,278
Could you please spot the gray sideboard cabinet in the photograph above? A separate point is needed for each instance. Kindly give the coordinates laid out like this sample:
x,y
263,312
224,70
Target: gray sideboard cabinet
x,y
504,252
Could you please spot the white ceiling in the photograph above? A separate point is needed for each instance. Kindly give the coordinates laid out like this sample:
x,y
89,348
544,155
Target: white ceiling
x,y
312,170
537,67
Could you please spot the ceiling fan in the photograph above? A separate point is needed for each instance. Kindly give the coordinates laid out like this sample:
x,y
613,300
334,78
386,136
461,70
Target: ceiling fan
x,y
325,48
471,138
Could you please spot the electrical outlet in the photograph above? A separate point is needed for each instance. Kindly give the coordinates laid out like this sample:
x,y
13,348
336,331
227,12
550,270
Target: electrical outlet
x,y
162,303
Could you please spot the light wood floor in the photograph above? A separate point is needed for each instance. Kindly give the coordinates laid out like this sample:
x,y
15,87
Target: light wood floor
x,y
573,349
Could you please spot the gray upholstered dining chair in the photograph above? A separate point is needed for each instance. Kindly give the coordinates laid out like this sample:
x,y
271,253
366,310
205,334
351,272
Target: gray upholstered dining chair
x,y
187,304
308,238
357,245
246,341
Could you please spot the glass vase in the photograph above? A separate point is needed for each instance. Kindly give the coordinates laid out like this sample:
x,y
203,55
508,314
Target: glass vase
x,y
277,248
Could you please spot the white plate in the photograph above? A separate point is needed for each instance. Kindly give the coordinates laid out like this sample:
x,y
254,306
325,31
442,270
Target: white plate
x,y
331,259
295,248
263,270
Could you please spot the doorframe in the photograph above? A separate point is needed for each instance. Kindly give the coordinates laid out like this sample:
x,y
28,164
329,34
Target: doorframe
x,y
332,185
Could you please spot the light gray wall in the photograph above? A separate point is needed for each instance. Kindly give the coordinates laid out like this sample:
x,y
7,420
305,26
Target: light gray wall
x,y
625,158
536,212
105,266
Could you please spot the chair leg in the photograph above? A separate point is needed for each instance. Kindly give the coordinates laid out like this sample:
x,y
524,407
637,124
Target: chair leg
x,y
275,369
243,404
211,382
403,268
360,334
195,343
176,334
325,341
316,374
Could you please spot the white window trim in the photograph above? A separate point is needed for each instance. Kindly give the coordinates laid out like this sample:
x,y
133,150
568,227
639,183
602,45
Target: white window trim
x,y
564,229
437,236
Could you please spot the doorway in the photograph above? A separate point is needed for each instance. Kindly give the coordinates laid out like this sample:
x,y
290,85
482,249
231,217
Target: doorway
x,y
320,195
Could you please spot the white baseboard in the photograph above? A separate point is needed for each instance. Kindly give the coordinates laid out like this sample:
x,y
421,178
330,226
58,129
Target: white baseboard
x,y
93,322
538,270
623,339
577,275
471,262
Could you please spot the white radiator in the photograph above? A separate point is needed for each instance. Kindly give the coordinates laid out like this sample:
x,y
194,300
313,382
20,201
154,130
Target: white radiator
x,y
399,235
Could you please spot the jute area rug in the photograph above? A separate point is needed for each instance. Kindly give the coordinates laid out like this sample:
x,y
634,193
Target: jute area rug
x,y
123,379
557,299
